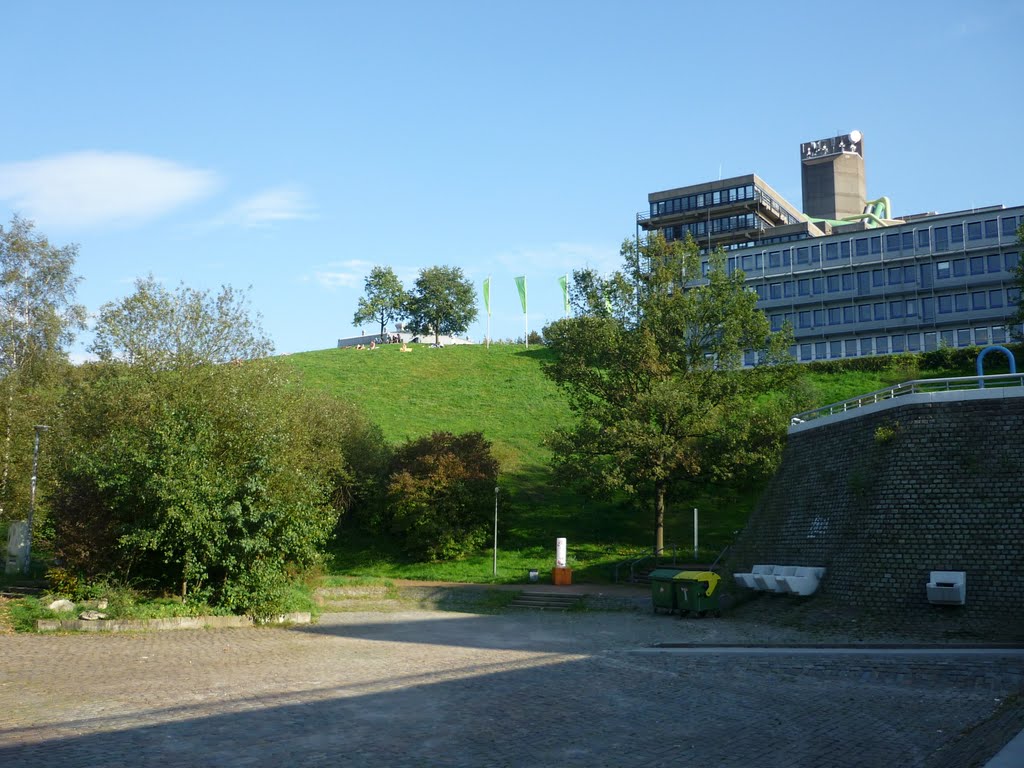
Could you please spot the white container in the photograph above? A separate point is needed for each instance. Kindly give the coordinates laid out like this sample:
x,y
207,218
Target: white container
x,y
560,553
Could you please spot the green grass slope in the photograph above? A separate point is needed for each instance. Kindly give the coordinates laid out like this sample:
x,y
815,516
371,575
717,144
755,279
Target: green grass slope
x,y
502,392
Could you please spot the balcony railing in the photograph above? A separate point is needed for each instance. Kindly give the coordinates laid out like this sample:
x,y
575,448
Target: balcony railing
x,y
918,386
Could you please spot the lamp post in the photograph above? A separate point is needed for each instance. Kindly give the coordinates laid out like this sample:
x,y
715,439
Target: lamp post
x,y
32,497
496,490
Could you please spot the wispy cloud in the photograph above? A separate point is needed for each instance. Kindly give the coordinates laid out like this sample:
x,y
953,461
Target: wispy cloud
x,y
561,256
89,189
287,202
343,274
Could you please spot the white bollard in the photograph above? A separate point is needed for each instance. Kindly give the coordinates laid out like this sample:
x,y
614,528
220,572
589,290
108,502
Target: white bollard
x,y
560,553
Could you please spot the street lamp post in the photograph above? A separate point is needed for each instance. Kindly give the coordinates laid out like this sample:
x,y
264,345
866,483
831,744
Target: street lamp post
x,y
32,497
496,490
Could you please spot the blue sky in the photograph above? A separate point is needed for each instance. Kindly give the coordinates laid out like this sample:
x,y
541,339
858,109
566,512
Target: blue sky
x,y
291,147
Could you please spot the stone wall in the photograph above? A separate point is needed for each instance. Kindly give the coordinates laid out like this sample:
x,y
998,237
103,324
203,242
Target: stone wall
x,y
884,495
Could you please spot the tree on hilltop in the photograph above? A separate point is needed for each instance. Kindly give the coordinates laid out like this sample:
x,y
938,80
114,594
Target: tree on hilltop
x,y
443,302
385,299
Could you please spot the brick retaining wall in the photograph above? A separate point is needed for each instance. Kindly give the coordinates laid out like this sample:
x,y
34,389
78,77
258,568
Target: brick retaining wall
x,y
884,497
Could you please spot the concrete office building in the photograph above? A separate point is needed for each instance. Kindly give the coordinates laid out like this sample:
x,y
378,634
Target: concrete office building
x,y
850,278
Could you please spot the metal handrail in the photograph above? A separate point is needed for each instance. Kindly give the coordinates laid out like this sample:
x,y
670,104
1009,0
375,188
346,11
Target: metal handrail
x,y
917,386
634,563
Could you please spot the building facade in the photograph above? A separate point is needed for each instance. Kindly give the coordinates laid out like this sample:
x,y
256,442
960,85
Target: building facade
x,y
865,284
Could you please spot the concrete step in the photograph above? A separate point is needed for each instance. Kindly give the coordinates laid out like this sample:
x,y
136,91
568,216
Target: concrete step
x,y
555,601
20,590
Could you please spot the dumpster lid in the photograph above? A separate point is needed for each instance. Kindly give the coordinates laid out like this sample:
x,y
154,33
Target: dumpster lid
x,y
708,577
664,573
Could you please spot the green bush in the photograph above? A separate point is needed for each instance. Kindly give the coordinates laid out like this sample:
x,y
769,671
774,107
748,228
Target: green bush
x,y
440,495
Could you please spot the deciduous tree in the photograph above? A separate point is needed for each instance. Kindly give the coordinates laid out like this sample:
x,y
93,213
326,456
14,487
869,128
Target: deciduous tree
x,y
443,302
651,365
385,299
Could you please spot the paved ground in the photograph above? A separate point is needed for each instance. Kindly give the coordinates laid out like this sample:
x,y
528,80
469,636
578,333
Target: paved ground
x,y
414,688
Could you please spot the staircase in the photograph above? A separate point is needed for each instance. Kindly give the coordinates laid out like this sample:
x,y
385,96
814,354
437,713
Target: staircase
x,y
551,601
22,589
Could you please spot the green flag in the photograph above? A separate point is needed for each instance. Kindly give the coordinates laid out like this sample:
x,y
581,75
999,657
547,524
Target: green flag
x,y
521,285
564,282
487,295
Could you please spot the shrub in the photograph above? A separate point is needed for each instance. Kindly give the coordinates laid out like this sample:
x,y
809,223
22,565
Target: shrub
x,y
440,494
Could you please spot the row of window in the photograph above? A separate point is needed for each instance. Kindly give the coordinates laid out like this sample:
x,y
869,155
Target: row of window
x,y
895,243
706,200
897,309
867,280
895,343
700,228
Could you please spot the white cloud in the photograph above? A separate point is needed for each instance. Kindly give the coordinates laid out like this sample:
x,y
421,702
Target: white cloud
x,y
284,203
95,188
562,256
343,274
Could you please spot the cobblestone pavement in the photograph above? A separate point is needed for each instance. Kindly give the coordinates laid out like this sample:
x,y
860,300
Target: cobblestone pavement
x,y
419,688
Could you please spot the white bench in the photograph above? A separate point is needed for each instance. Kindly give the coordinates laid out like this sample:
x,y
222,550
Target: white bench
x,y
749,580
776,582
803,581
947,588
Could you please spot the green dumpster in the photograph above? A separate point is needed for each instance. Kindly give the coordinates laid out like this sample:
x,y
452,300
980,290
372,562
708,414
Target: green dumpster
x,y
697,593
663,592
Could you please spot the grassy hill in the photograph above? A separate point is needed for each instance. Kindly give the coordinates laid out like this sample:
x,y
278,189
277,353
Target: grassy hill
x,y
503,393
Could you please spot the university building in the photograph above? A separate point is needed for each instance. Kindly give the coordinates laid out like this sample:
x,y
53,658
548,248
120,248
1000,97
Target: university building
x,y
850,278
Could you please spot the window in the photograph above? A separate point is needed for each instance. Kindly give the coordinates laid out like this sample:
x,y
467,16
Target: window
x,y
922,238
898,343
835,349
802,255
931,341
998,334
911,307
787,257
866,346
959,267
941,239
844,249
927,308
909,275
834,316
817,285
831,251
877,278
995,299
991,228
956,233
789,289
1012,260
945,305
851,347
960,303
882,345
908,241
776,290
774,259
815,254
803,287
804,319
776,322
759,260
892,242
973,232
861,246
863,283
981,336
977,265
978,300
946,337
895,309
806,352
1012,296
880,311
895,275
864,313
942,270
849,315
820,350
748,262
995,263
819,317
963,337
913,342
847,281
1009,226
833,283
